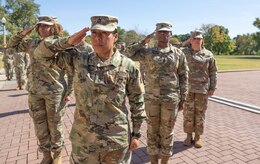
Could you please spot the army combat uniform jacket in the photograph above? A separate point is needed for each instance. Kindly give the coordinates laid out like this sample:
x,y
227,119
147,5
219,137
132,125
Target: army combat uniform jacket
x,y
101,117
166,73
43,74
203,70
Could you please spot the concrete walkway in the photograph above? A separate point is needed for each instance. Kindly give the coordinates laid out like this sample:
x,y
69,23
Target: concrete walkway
x,y
231,135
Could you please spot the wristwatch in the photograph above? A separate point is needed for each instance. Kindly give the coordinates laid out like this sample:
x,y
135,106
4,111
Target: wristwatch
x,y
137,135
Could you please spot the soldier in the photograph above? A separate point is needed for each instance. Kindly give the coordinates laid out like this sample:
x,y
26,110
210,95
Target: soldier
x,y
8,62
102,80
202,84
121,47
46,99
166,85
21,62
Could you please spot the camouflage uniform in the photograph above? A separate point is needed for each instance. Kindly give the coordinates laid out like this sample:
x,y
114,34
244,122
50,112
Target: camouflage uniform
x,y
101,118
66,79
21,62
46,100
166,84
8,62
202,78
84,46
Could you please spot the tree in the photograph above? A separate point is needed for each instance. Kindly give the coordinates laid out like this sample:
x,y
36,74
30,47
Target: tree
x,y
131,37
121,34
256,36
257,23
245,44
218,40
19,14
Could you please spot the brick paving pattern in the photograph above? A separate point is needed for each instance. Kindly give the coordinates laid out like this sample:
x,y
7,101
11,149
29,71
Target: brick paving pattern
x,y
231,135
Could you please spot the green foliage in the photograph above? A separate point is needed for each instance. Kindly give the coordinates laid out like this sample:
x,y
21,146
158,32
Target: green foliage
x,y
132,36
256,36
19,14
245,44
182,37
218,40
256,23
88,39
121,34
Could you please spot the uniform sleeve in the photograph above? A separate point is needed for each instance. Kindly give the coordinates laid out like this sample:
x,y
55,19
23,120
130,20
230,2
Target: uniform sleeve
x,y
212,74
26,60
19,43
56,44
183,76
65,60
70,83
135,93
134,48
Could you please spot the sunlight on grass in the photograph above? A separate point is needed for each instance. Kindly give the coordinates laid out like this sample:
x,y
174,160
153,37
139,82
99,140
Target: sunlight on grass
x,y
238,63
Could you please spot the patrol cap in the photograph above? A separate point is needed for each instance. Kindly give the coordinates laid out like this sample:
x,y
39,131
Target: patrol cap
x,y
48,20
196,34
163,26
104,23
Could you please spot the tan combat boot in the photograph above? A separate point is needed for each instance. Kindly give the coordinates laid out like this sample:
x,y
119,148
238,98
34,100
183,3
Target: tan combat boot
x,y
47,159
154,159
165,160
57,158
198,143
22,87
187,141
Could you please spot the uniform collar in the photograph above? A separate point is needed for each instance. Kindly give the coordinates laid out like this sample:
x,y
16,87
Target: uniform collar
x,y
114,60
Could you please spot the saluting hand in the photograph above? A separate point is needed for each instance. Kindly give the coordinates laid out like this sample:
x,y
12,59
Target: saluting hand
x,y
27,31
149,37
77,37
134,144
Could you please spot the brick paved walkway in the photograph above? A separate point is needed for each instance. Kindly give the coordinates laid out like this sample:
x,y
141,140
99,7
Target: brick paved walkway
x,y
231,136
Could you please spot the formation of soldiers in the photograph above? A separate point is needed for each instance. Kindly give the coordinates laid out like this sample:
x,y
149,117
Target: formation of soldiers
x,y
158,81
17,62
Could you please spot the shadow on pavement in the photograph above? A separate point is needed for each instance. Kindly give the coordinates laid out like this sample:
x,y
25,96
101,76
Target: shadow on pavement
x,y
14,113
71,105
140,153
179,147
17,95
4,90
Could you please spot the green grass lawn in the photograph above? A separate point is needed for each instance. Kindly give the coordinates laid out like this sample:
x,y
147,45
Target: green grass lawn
x,y
238,62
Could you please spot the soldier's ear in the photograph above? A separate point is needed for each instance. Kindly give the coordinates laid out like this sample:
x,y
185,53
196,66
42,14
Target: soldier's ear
x,y
116,37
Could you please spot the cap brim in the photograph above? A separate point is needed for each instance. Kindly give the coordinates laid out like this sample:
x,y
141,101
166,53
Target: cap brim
x,y
47,23
103,28
199,37
164,29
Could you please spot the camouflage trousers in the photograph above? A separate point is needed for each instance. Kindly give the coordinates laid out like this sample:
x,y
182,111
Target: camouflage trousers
x,y
160,126
20,73
8,66
194,113
121,156
47,112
